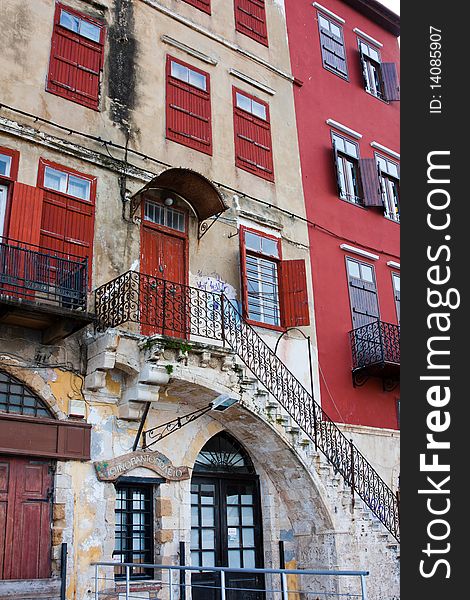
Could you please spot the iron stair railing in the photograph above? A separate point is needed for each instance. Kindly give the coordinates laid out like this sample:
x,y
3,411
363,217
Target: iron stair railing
x,y
176,309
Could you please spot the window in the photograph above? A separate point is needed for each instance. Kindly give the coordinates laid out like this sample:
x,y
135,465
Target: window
x,y
64,182
134,529
332,46
380,79
371,69
250,19
390,184
204,5
396,293
9,160
188,108
252,129
274,290
67,214
164,215
362,293
76,59
17,399
346,155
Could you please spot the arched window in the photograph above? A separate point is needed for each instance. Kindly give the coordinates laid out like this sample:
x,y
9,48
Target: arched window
x,y
223,454
16,398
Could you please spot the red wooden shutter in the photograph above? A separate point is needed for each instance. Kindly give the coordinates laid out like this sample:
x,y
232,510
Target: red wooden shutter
x,y
250,19
25,215
390,81
370,182
75,64
188,111
294,295
204,5
253,145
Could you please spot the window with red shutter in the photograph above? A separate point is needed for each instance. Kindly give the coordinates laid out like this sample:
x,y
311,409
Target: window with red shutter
x,y
188,106
204,5
77,53
68,211
274,290
252,128
250,19
9,160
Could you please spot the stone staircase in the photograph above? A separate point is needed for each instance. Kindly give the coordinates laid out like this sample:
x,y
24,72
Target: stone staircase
x,y
337,492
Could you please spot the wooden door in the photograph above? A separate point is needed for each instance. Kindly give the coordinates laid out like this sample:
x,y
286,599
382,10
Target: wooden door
x,y
362,293
163,295
25,518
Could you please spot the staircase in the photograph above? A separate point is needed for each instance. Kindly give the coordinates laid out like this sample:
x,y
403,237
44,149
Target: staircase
x,y
185,311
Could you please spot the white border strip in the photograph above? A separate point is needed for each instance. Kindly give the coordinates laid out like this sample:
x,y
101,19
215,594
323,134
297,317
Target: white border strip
x,y
253,82
344,129
204,57
393,264
355,250
385,149
328,12
369,38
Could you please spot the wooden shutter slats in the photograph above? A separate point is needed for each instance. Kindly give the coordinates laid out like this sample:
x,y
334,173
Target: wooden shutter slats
x,y
188,112
203,5
293,292
370,181
250,19
25,215
333,52
390,82
253,144
75,66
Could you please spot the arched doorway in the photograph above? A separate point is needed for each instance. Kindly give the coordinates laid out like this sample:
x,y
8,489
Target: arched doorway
x,y
26,485
226,525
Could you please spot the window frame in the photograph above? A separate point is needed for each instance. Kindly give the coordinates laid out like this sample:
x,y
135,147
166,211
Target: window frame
x,y
258,170
164,228
396,276
359,198
44,163
147,489
347,259
244,275
92,103
366,60
8,181
383,177
244,29
344,76
200,145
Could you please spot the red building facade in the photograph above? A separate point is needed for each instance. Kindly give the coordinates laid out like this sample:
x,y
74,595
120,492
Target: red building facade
x,y
345,56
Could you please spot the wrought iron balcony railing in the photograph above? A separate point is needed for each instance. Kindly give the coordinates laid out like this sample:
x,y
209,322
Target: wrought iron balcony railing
x,y
182,311
33,274
375,351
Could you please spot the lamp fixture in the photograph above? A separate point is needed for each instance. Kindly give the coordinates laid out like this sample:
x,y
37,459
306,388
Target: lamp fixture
x,y
168,201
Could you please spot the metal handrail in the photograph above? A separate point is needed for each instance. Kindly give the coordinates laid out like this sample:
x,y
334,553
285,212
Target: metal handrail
x,y
224,587
139,298
35,274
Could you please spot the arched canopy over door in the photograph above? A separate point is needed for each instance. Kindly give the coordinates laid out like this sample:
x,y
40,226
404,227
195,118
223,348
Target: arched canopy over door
x,y
195,189
226,527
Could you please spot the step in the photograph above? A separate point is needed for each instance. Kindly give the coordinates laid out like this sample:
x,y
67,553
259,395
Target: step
x,y
30,589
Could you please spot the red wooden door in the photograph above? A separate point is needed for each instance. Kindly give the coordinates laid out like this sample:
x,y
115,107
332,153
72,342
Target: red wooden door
x,y
25,518
163,295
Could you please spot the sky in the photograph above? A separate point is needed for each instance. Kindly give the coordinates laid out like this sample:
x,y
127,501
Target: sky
x,y
392,4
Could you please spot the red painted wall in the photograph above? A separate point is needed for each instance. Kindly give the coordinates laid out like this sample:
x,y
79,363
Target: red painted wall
x,y
323,96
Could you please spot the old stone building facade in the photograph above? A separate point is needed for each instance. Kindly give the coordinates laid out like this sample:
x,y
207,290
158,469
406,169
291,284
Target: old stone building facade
x,y
155,270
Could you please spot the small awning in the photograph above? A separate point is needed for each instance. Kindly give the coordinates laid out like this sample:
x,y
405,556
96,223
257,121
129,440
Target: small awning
x,y
194,188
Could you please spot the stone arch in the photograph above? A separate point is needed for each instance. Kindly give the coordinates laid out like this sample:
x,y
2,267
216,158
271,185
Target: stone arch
x,y
37,386
294,505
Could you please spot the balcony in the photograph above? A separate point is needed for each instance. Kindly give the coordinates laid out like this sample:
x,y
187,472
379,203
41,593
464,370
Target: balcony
x,y
376,353
42,289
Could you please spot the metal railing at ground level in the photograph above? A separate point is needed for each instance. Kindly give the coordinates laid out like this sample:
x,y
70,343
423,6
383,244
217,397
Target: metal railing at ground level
x,y
184,583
